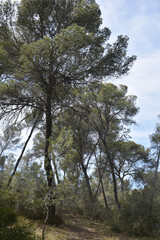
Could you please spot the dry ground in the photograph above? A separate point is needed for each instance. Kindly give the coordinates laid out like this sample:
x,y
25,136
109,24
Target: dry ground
x,y
81,229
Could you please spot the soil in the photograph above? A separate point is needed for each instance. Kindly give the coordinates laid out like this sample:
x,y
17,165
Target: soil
x,y
81,229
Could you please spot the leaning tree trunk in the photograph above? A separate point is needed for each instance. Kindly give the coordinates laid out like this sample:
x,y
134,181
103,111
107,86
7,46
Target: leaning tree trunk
x,y
84,169
22,152
47,161
115,186
104,195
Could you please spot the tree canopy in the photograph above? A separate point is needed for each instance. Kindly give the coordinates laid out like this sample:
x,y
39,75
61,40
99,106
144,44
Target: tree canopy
x,y
47,49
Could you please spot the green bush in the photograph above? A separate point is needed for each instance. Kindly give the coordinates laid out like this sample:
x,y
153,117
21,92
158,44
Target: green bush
x,y
21,230
134,217
16,233
7,216
7,213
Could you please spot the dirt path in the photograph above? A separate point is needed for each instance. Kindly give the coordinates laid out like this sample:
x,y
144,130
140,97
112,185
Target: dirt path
x,y
82,232
81,229
77,228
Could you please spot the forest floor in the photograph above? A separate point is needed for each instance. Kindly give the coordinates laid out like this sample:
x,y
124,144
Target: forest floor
x,y
82,229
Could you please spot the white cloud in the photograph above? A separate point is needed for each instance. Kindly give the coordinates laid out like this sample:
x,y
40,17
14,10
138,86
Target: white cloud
x,y
144,82
139,19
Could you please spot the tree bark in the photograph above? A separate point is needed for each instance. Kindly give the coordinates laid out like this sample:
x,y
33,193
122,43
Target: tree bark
x,y
104,195
47,161
55,168
101,183
122,185
115,186
113,176
84,169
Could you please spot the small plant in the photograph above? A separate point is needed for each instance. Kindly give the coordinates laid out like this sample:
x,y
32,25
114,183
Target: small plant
x,y
21,230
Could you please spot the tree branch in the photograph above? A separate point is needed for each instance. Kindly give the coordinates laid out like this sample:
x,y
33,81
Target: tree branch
x,y
21,155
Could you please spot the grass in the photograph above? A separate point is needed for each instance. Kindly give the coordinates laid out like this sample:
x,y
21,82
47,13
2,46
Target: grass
x,y
76,228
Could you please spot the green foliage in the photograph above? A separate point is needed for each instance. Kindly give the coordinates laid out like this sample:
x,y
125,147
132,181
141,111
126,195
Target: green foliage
x,y
10,229
22,229
7,212
54,46
17,233
134,215
61,149
86,12
53,55
5,61
29,189
155,138
74,38
7,216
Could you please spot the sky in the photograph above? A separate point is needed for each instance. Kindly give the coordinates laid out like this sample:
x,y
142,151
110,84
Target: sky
x,y
140,21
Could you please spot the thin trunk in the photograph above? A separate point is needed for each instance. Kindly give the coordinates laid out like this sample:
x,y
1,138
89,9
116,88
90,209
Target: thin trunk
x,y
46,219
113,175
122,185
94,199
77,179
154,185
104,195
101,182
55,168
84,169
22,152
64,176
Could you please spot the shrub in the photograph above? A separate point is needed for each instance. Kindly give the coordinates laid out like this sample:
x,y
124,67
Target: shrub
x,y
21,230
134,215
16,233
7,213
7,216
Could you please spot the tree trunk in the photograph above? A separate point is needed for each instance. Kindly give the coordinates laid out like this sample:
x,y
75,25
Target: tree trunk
x,y
104,195
113,176
101,183
84,169
47,161
115,187
55,168
154,185
122,185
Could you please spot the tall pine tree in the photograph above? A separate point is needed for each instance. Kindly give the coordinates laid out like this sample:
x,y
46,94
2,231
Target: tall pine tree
x,y
48,47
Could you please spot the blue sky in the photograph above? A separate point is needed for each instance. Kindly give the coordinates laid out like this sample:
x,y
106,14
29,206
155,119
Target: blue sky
x,y
140,21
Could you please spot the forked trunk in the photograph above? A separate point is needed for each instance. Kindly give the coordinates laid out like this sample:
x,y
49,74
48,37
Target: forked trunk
x,y
111,163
